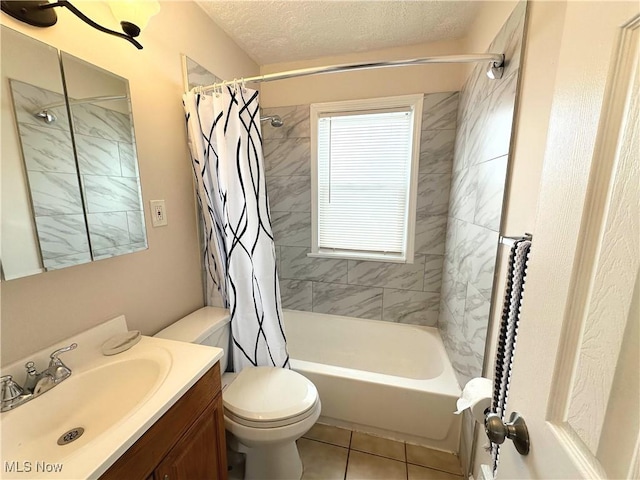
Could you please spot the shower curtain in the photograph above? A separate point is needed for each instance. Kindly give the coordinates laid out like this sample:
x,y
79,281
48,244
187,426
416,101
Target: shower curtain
x,y
239,254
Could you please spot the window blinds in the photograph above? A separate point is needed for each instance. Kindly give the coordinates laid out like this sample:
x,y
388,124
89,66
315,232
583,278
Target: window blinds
x,y
364,167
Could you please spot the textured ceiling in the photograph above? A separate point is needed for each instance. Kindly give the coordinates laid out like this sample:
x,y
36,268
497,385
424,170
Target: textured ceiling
x,y
288,30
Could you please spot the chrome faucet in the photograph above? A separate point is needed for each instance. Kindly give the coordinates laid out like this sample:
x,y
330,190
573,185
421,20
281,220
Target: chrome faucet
x,y
36,383
58,370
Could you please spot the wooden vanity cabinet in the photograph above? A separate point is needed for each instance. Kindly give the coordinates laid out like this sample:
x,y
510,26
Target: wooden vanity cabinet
x,y
191,457
186,443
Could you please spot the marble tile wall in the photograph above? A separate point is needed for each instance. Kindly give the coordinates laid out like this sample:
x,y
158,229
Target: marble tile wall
x,y
109,174
197,75
108,179
485,115
406,293
53,180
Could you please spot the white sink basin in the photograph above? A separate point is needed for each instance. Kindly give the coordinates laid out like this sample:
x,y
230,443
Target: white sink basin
x,y
96,399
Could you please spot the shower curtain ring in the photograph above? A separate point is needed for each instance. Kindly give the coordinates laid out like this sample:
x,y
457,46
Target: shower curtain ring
x,y
244,85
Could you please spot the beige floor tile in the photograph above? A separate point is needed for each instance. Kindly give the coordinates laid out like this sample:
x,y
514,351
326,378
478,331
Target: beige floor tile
x,y
363,466
329,434
322,461
435,459
378,446
421,473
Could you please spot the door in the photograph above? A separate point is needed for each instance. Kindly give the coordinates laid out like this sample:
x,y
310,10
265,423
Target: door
x,y
201,452
575,376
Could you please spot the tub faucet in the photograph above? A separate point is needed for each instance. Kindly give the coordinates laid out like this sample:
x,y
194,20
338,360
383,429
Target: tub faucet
x,y
36,383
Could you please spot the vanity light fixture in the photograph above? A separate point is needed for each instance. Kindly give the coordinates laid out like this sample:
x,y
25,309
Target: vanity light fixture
x,y
40,13
135,11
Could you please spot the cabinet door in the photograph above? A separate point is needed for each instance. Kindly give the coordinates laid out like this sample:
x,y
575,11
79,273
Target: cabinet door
x,y
201,452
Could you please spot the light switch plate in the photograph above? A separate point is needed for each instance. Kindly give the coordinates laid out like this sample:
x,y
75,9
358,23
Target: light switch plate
x,y
158,213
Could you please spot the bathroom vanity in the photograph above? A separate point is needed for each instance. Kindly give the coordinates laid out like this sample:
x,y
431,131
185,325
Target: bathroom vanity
x,y
187,442
153,411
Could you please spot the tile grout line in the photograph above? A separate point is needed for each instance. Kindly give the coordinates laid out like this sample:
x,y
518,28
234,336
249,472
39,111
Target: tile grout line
x,y
436,469
325,442
378,455
346,467
406,460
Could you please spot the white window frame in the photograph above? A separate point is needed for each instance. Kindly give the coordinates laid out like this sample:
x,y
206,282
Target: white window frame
x,y
317,110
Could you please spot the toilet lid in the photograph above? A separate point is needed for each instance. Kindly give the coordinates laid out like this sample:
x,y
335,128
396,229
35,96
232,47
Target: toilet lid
x,y
269,394
275,423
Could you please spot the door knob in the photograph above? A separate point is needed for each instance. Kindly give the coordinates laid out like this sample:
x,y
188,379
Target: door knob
x,y
515,429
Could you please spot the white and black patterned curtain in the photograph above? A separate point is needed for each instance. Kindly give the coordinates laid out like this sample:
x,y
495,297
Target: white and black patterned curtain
x,y
239,254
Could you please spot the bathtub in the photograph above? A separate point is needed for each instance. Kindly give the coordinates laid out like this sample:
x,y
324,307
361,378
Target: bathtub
x,y
379,377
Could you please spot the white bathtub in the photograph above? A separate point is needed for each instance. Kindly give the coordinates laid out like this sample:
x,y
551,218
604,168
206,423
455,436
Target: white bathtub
x,y
378,377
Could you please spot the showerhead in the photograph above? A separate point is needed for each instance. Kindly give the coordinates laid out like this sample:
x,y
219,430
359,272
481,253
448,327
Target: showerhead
x,y
46,116
275,120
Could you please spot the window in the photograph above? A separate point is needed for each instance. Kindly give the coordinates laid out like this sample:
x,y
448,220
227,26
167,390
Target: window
x,y
364,178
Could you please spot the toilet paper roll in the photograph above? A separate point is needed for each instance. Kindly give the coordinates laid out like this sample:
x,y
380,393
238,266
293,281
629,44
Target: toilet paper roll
x,y
476,396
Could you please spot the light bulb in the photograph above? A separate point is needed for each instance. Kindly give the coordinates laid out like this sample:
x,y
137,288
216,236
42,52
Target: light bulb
x,y
138,12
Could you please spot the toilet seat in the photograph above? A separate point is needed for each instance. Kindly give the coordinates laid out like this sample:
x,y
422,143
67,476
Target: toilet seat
x,y
269,397
272,423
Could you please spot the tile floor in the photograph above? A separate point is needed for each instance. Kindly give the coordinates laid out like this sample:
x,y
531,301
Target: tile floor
x,y
331,453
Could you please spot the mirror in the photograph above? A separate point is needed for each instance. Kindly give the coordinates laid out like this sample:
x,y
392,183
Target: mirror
x,y
33,69
70,184
106,157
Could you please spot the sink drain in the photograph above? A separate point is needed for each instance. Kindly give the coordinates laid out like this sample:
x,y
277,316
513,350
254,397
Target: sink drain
x,y
70,436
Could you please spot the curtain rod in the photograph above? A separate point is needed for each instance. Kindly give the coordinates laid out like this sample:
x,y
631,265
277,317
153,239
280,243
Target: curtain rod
x,y
494,71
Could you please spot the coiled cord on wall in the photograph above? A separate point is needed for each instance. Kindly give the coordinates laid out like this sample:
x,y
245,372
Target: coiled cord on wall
x,y
517,270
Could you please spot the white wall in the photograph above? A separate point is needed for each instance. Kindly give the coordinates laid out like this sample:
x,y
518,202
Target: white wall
x,y
537,76
156,286
365,83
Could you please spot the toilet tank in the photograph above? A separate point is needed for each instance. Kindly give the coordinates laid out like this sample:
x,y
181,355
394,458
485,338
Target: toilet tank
x,y
206,326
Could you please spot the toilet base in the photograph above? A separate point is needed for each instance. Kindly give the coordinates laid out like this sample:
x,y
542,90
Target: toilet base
x,y
280,461
271,453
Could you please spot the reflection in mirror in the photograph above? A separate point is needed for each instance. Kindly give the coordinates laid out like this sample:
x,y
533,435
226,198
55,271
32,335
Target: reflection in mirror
x,y
105,145
43,223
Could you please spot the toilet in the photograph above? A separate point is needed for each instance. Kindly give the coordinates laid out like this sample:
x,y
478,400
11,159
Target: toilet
x,y
266,409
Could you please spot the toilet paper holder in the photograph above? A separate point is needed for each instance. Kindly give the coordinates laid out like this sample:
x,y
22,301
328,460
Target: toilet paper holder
x,y
515,429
